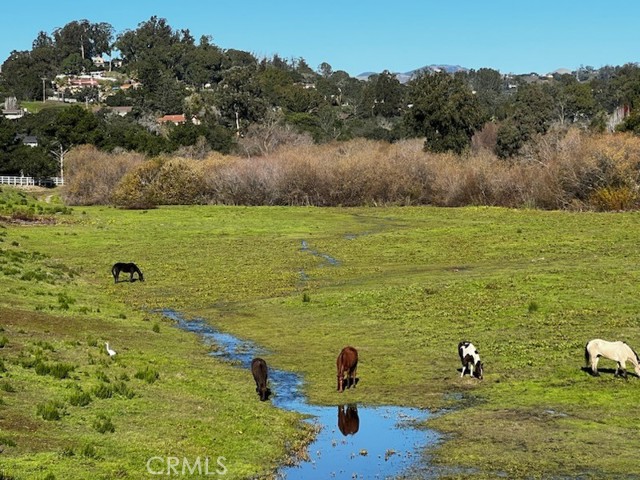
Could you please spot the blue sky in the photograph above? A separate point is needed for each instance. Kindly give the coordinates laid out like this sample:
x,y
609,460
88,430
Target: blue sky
x,y
357,36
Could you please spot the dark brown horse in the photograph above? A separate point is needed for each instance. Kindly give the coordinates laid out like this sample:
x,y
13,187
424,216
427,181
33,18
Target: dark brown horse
x,y
348,421
260,373
129,268
347,364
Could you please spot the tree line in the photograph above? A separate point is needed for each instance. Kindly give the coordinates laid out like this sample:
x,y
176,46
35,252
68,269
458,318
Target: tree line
x,y
251,105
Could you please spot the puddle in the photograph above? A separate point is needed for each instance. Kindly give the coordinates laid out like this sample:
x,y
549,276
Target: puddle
x,y
329,259
354,441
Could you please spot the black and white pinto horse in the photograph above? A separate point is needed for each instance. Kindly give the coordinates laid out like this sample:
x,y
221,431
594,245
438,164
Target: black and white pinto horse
x,y
129,268
470,359
617,351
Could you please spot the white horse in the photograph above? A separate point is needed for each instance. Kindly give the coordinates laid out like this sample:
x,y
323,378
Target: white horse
x,y
617,351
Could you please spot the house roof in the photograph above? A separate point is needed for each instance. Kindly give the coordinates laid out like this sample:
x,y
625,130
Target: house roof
x,y
26,139
122,110
173,118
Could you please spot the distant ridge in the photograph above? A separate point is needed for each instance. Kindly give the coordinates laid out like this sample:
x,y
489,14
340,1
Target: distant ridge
x,y
404,77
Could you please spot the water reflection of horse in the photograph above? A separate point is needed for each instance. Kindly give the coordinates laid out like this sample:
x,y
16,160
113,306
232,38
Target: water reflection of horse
x,y
347,364
617,351
348,420
129,268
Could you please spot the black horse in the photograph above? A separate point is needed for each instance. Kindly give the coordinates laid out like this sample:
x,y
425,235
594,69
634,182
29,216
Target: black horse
x,y
129,268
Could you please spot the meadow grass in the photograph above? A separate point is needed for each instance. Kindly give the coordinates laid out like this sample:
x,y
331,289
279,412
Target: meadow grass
x,y
403,285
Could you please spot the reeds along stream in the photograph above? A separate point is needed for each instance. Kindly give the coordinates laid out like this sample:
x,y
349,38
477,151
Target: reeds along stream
x,y
354,441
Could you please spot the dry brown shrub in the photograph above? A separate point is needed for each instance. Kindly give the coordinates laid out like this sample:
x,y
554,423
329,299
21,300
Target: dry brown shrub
x,y
243,182
485,139
564,169
266,138
575,165
92,175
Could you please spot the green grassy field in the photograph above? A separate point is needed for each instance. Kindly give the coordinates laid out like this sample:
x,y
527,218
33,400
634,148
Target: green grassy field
x,y
529,288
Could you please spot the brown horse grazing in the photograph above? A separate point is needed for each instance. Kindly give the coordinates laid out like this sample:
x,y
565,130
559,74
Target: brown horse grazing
x,y
348,421
129,268
347,364
260,372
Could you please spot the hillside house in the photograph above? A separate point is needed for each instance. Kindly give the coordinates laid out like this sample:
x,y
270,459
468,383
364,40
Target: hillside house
x,y
27,140
121,111
98,61
175,119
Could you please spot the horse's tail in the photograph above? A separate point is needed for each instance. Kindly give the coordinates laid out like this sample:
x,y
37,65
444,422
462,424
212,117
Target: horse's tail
x,y
587,355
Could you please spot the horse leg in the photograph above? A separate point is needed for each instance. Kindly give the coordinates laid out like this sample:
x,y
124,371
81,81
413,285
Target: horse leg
x,y
355,374
622,367
594,367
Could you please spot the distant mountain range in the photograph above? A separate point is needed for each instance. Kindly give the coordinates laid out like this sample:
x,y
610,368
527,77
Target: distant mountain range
x,y
406,76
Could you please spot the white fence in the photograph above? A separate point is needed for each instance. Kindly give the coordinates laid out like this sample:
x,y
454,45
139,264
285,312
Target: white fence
x,y
31,181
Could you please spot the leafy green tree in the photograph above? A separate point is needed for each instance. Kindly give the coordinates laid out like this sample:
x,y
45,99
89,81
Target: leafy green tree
x,y
239,98
239,58
296,98
532,113
22,76
114,131
84,38
74,64
64,127
489,87
203,65
147,51
572,101
8,141
165,96
626,84
444,110
273,82
383,95
119,99
185,134
32,162
325,69
304,71
279,89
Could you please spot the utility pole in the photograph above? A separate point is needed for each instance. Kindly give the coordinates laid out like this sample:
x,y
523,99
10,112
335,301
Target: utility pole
x,y
44,91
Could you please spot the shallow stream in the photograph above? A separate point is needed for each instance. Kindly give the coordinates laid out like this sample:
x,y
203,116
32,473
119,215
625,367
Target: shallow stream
x,y
354,441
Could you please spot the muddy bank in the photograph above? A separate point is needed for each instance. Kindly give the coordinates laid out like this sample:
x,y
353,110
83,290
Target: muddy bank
x,y
354,441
